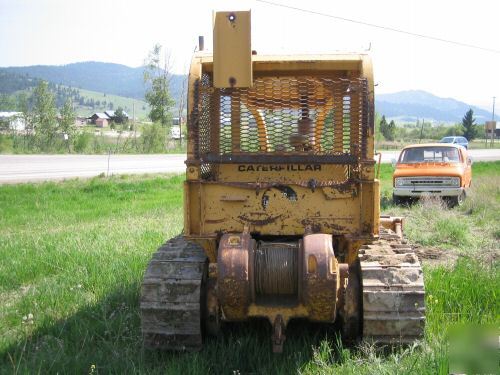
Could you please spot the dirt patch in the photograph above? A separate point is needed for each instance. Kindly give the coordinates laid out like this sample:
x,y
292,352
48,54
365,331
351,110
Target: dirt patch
x,y
9,298
432,256
489,256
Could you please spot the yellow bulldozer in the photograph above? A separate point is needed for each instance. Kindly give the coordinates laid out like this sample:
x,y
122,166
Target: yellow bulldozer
x,y
281,204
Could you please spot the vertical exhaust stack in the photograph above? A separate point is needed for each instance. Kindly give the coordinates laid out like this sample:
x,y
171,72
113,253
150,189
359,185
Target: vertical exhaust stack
x,y
232,49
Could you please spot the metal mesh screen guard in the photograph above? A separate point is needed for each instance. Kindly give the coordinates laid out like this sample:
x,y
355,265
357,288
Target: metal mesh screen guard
x,y
281,119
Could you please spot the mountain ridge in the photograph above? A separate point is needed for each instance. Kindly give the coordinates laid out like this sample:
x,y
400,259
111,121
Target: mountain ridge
x,y
109,78
411,105
122,80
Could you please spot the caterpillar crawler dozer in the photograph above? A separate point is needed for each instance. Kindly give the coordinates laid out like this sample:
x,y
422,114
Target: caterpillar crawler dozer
x,y
281,204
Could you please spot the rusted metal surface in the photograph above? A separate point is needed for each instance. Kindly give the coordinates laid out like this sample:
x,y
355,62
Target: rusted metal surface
x,y
233,276
342,186
254,278
275,209
350,312
278,337
320,277
276,266
393,223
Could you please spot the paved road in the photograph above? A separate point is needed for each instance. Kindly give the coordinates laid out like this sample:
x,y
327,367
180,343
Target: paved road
x,y
26,168
476,155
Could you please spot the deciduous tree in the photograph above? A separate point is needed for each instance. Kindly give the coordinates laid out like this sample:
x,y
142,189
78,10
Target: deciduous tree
x,y
67,122
44,116
157,79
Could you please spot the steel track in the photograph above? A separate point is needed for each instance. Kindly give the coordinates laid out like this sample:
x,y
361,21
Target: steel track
x,y
392,291
170,304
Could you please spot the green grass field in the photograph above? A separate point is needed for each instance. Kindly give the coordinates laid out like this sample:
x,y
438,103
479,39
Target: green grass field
x,y
141,107
72,256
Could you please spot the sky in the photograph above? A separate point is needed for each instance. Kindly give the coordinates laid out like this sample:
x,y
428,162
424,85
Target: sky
x,y
57,32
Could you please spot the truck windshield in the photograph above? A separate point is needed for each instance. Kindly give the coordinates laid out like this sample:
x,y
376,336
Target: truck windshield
x,y
430,154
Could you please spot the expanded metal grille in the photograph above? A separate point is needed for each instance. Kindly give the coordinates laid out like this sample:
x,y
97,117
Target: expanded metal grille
x,y
281,119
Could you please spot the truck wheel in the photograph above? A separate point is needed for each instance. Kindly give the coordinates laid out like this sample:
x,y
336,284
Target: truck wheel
x,y
456,201
397,200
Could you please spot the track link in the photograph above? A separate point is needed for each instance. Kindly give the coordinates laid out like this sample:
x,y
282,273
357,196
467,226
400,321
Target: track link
x,y
393,291
171,294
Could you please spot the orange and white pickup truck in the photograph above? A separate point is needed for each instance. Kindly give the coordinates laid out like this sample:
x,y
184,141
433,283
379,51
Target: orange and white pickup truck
x,y
434,169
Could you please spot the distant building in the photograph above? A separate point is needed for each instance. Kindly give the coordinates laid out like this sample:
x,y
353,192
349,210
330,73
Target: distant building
x,y
497,133
101,122
492,125
81,121
109,116
97,116
12,120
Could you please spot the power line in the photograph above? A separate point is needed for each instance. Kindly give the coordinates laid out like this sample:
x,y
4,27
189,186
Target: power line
x,y
386,28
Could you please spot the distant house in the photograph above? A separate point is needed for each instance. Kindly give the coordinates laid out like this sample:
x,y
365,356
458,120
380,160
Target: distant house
x,y
81,121
493,125
497,133
12,120
101,122
112,115
99,116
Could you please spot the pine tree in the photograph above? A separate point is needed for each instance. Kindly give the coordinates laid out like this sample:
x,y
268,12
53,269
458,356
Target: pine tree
x,y
120,117
468,123
388,130
391,131
383,125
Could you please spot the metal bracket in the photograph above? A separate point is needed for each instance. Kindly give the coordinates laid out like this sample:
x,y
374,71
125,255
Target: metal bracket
x,y
278,337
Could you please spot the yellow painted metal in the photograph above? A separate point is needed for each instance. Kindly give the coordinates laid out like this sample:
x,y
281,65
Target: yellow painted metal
x,y
281,215
234,198
270,312
282,173
232,49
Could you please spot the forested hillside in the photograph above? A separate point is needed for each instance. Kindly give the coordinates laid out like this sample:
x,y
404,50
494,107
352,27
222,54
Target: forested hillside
x,y
16,93
102,77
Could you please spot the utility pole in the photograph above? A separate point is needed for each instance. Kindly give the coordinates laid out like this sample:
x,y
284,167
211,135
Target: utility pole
x,y
421,131
493,131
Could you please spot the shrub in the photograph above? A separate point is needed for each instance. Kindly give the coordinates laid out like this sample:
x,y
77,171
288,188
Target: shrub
x,y
6,145
153,139
82,142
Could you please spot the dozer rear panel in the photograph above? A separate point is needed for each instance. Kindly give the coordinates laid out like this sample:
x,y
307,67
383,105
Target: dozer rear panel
x,y
292,152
